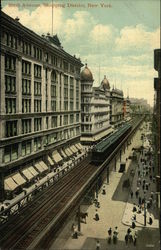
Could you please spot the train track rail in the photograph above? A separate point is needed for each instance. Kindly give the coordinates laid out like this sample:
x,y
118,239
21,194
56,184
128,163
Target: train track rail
x,y
25,227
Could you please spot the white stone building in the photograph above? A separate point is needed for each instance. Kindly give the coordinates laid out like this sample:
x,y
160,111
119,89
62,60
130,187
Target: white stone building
x,y
117,114
95,109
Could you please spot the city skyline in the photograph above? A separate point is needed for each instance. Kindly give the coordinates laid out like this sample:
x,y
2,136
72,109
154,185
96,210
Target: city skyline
x,y
116,38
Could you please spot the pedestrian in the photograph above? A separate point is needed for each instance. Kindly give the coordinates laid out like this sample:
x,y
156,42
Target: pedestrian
x,y
131,193
134,208
97,245
143,187
150,220
153,169
138,172
150,177
126,238
139,209
153,179
147,185
133,224
110,231
134,217
104,190
96,216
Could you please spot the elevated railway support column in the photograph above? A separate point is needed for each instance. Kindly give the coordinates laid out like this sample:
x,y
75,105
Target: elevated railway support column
x,y
79,221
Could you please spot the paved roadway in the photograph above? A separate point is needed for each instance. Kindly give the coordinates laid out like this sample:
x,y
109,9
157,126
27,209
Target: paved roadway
x,y
112,212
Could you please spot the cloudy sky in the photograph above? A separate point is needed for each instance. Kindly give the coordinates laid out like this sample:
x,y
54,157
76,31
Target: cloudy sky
x,y
116,37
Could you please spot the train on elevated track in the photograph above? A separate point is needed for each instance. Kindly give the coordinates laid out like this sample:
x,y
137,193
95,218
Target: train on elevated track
x,y
105,147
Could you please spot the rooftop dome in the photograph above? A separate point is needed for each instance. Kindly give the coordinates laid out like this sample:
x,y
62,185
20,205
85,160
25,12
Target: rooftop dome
x,y
86,74
105,83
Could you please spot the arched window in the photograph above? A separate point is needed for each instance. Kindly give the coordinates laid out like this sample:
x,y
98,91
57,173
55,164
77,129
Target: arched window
x,y
53,76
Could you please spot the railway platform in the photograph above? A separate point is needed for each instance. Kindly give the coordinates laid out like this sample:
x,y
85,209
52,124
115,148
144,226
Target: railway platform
x,y
113,211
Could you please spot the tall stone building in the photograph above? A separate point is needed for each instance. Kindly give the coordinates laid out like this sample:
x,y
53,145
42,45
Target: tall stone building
x,y
157,108
117,113
95,109
40,95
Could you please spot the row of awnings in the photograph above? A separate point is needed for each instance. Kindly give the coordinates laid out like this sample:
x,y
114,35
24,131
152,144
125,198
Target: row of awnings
x,y
11,183
66,152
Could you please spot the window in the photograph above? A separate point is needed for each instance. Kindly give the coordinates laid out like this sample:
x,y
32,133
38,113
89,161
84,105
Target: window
x,y
65,92
26,48
11,128
53,91
65,66
26,105
37,124
77,130
37,70
26,87
26,148
54,122
65,119
53,105
53,76
77,117
54,137
37,88
37,105
72,68
10,105
47,122
37,53
11,40
10,153
71,105
66,105
10,63
54,60
71,119
77,105
26,126
26,67
37,143
10,84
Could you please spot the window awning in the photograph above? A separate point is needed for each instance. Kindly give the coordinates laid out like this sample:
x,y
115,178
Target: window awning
x,y
63,154
72,149
9,184
50,161
39,167
33,171
71,153
76,150
67,152
78,147
44,166
27,174
18,179
56,156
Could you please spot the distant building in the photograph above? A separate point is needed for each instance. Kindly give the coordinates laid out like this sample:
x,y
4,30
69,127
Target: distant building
x,y
139,105
117,113
95,108
39,99
127,109
157,108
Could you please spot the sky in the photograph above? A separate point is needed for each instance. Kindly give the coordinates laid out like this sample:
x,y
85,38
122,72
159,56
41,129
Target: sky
x,y
115,38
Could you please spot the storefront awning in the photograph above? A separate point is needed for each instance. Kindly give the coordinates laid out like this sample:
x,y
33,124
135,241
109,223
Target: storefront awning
x,y
67,152
27,174
33,171
56,156
76,150
50,161
9,184
72,149
70,152
78,146
44,166
63,154
18,179
39,167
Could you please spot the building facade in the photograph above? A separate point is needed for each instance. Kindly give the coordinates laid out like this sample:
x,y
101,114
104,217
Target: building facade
x,y
156,114
40,96
126,109
95,109
117,112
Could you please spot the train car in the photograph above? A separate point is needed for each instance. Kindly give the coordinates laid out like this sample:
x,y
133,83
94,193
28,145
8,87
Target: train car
x,y
104,148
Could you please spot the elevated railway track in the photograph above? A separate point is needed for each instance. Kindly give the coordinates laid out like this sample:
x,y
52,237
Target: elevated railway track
x,y
34,226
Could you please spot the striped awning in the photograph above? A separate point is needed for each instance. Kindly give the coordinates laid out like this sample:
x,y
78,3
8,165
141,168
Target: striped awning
x,y
18,179
27,174
39,167
50,161
78,146
63,154
33,171
56,156
44,166
76,150
72,149
10,184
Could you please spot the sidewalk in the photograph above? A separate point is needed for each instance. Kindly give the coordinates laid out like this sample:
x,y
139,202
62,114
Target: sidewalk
x,y
128,214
